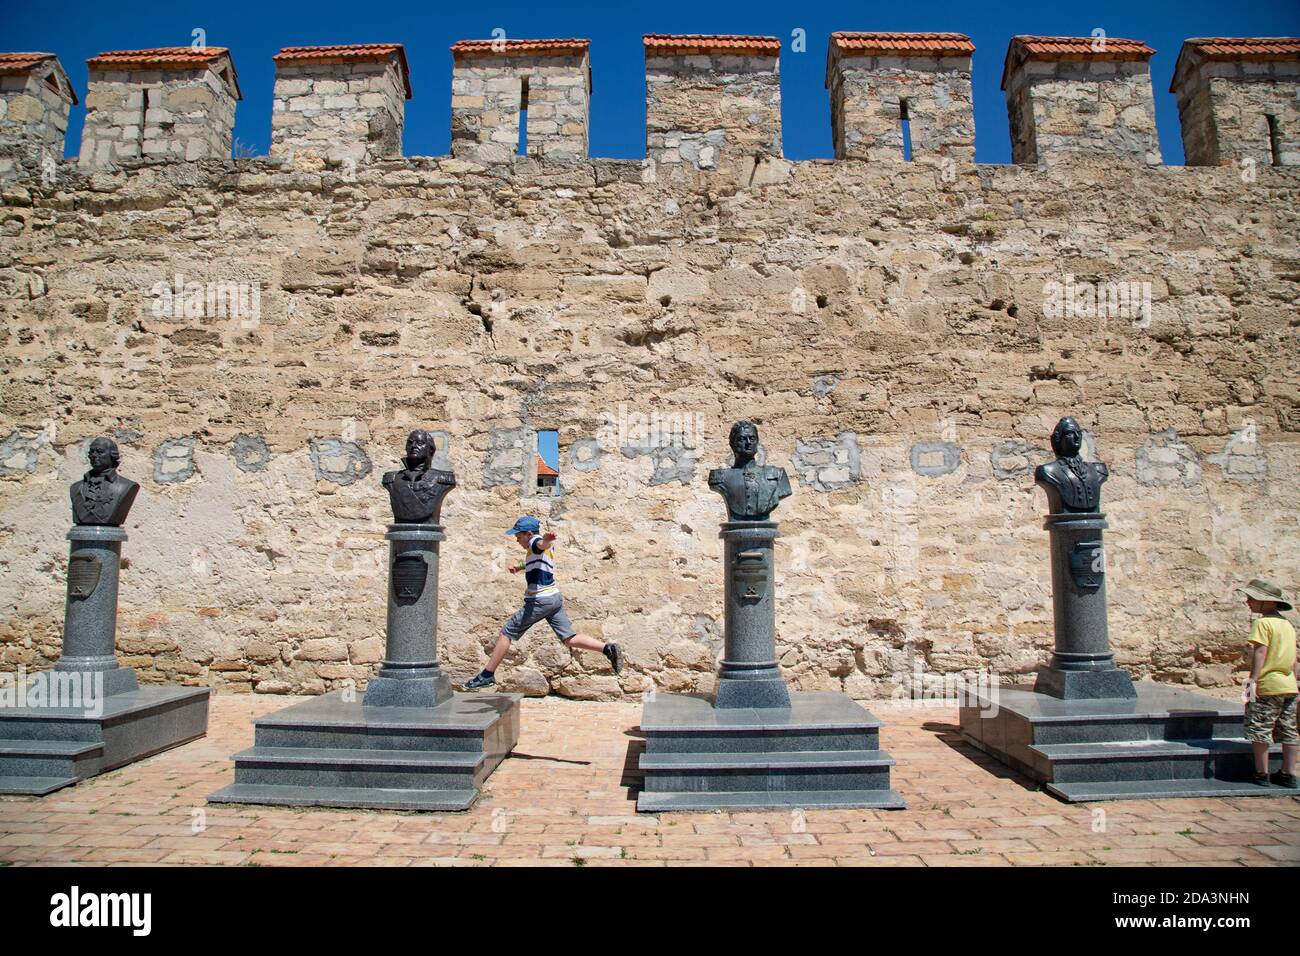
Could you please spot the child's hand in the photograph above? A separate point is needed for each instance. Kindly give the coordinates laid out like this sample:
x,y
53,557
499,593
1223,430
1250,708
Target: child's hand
x,y
515,568
1248,693
548,537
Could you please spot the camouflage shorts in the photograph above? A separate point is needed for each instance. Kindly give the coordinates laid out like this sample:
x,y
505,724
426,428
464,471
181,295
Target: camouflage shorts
x,y
1272,719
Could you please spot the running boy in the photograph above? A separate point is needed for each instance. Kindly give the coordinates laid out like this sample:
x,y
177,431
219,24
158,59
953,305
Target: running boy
x,y
542,601
1270,693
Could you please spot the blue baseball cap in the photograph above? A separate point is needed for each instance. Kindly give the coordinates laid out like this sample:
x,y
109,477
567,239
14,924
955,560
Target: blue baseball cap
x,y
526,523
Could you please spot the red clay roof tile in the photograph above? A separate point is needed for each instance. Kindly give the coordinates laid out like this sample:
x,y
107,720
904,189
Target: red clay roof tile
x,y
685,44
165,58
347,53
16,64
1022,48
544,469
506,47
1220,49
903,44
1058,48
1245,48
12,63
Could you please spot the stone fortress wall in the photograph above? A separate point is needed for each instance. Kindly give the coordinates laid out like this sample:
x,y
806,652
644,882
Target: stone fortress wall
x,y
902,332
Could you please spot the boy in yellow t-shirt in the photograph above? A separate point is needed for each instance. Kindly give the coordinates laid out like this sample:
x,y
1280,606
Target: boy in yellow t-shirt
x,y
1271,689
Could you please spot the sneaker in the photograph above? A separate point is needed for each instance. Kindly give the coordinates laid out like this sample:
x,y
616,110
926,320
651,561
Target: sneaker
x,y
1261,779
615,655
1283,779
482,680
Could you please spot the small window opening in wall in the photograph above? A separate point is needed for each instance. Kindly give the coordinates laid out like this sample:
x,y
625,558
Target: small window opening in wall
x,y
548,463
523,117
144,115
1274,139
906,122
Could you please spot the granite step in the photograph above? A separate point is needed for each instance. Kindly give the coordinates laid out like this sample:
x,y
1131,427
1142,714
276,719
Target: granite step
x,y
853,770
50,759
1087,792
1129,727
649,802
374,798
748,740
32,786
318,767
1225,759
41,724
815,721
327,722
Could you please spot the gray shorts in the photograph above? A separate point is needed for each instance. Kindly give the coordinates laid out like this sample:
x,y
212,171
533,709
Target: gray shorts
x,y
548,607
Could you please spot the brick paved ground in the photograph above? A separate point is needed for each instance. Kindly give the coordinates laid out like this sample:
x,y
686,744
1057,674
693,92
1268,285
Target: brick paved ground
x,y
564,800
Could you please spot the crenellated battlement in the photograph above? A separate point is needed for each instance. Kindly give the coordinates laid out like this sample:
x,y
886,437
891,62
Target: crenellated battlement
x,y
171,103
339,104
495,83
1080,95
880,81
35,98
712,101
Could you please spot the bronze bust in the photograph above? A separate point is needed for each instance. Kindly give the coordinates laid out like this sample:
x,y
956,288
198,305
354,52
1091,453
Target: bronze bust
x,y
1072,484
416,491
752,491
102,496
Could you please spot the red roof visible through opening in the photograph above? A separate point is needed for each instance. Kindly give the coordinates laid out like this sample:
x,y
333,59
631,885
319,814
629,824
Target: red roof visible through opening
x,y
347,53
544,470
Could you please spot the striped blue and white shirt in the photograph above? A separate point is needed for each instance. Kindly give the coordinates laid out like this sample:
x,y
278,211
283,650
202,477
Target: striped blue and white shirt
x,y
539,569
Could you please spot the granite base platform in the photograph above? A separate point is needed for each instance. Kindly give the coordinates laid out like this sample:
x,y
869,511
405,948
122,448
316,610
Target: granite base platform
x,y
43,749
327,752
823,751
1165,742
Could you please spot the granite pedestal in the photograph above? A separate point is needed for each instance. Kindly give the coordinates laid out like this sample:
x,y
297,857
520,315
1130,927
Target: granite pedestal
x,y
410,675
411,743
114,721
328,752
1082,665
1162,742
756,745
43,749
749,676
821,751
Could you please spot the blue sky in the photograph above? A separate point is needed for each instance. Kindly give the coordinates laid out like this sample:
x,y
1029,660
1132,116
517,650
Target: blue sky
x,y
255,31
